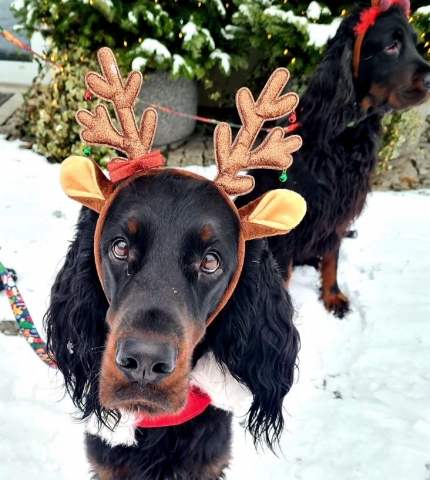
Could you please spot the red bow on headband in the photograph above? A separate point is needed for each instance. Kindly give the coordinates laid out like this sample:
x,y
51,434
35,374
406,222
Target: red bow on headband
x,y
369,16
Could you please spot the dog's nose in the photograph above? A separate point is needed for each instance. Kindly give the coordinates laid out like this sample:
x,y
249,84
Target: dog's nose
x,y
145,362
427,81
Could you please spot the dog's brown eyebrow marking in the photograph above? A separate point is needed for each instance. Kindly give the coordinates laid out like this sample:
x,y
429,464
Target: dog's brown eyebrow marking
x,y
132,226
205,233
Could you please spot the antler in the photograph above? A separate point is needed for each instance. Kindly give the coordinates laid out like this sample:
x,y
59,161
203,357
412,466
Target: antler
x,y
273,153
98,128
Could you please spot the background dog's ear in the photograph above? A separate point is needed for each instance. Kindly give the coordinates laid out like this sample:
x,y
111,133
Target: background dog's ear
x,y
334,109
75,321
254,336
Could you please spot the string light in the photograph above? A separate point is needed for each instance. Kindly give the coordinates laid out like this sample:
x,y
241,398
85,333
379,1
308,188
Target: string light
x,y
285,1
52,58
269,36
227,5
293,61
199,4
180,34
285,51
125,43
91,2
411,19
43,56
426,44
343,13
423,35
139,40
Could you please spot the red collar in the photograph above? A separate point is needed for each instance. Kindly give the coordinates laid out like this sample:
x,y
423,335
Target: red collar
x,y
196,403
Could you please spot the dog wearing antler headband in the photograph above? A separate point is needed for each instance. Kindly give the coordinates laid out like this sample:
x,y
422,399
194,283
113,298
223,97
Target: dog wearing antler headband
x,y
169,308
370,68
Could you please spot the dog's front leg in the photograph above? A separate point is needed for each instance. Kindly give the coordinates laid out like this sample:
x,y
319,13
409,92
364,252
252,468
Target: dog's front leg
x,y
334,300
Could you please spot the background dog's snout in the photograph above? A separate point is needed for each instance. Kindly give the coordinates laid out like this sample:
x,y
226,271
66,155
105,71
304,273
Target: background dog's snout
x,y
145,362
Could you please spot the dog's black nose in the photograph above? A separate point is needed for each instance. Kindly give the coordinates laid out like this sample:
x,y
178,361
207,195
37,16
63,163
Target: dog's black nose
x,y
145,362
427,81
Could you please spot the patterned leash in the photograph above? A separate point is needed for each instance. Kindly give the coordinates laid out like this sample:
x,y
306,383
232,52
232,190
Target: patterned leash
x,y
23,318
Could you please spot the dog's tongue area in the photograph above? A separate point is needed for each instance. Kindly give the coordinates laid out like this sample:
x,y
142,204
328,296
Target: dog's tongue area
x,y
196,403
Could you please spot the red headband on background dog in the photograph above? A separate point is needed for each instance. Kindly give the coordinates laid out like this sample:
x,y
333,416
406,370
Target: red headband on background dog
x,y
367,19
275,213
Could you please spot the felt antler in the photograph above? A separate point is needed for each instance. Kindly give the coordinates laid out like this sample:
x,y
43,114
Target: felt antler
x,y
98,128
273,153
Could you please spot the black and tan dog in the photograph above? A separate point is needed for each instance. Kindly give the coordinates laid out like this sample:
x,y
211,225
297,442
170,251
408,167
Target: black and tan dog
x,y
370,68
169,307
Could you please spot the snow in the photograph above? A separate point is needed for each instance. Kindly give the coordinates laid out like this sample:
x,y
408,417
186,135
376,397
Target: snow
x,y
225,59
138,62
314,11
360,409
132,17
209,37
178,62
319,34
152,46
149,16
424,10
189,30
17,4
220,6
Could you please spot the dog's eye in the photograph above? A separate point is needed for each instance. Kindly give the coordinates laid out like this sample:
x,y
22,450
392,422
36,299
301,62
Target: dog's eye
x,y
210,263
120,249
394,48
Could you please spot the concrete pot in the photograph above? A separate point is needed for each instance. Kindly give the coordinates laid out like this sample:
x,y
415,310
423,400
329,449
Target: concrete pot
x,y
180,95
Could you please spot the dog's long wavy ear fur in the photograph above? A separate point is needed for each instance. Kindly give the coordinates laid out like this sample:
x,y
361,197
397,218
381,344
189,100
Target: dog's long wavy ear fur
x,y
255,337
324,117
75,321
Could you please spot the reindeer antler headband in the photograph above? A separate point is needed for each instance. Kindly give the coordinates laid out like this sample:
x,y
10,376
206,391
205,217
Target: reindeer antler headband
x,y
275,213
367,19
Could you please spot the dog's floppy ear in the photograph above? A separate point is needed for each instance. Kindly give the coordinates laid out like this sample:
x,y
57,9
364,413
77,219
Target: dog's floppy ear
x,y
83,181
75,321
254,336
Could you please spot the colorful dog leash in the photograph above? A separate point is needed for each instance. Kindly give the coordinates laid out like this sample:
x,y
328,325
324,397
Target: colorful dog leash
x,y
23,318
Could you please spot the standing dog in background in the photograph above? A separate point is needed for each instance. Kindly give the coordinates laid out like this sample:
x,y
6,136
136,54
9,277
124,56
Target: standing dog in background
x,y
369,68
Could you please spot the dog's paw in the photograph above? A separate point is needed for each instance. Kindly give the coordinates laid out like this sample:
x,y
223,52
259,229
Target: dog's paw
x,y
336,303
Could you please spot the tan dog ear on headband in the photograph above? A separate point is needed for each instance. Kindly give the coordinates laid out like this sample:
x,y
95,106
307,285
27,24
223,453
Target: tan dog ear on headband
x,y
274,213
83,181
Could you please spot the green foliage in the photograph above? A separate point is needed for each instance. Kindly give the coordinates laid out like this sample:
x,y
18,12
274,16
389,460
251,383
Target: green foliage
x,y
186,38
421,23
278,31
191,39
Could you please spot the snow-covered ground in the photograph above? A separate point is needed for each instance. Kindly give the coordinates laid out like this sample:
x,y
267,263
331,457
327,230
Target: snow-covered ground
x,y
361,407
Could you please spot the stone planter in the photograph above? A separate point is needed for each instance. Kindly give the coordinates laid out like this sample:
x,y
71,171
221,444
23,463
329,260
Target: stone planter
x,y
180,95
